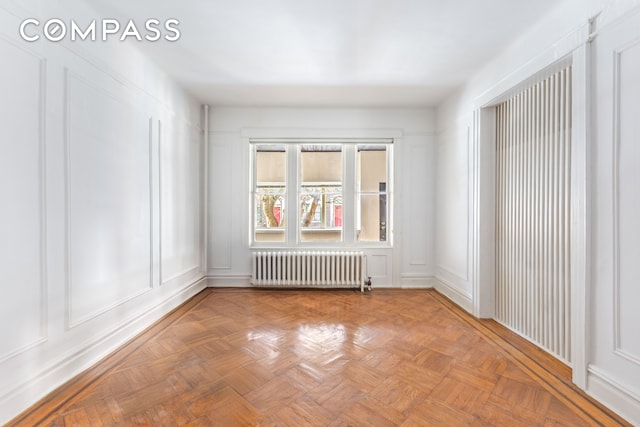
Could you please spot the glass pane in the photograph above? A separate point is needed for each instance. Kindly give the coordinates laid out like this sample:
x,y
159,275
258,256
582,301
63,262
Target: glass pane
x,y
321,164
320,193
270,214
321,213
371,168
270,164
270,193
372,226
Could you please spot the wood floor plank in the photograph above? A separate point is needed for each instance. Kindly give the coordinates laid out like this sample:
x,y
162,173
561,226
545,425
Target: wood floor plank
x,y
327,358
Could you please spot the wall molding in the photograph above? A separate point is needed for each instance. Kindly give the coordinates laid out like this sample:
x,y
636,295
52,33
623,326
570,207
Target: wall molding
x,y
42,199
229,281
44,311
443,140
105,309
76,361
452,273
70,322
313,133
412,281
616,211
615,207
622,400
214,132
224,222
434,134
84,54
173,125
520,76
159,206
415,156
11,354
186,272
452,292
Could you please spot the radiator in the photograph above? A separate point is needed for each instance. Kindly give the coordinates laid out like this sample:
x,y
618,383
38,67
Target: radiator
x,y
309,269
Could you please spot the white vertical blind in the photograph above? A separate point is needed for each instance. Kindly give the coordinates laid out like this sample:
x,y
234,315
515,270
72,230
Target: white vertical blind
x,y
532,213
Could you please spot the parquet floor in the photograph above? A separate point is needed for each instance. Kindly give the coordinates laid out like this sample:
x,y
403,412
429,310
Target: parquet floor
x,y
251,357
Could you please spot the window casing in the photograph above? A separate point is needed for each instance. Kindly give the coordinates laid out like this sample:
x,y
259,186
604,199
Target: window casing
x,y
325,194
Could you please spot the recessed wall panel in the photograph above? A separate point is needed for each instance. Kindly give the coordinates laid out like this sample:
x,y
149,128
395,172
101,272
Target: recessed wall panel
x,y
21,207
180,198
377,266
108,199
416,206
628,210
221,203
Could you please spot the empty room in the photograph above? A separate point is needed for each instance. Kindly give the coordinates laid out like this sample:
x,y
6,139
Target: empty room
x,y
323,213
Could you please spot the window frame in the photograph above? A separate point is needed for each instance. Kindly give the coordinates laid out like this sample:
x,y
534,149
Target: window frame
x,y
350,192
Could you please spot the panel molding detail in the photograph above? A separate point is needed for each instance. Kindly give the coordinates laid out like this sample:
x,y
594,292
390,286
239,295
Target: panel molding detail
x,y
606,389
70,79
452,292
452,272
417,158
616,202
377,260
229,281
40,117
179,198
220,252
184,273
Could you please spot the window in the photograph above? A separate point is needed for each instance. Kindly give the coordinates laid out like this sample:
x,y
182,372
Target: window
x,y
371,173
321,194
270,193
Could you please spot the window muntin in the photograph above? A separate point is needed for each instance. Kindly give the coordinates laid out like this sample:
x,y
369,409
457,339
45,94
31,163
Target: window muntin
x,y
321,194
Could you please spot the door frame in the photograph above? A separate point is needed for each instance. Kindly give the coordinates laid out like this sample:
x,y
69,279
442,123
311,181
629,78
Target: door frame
x,y
483,203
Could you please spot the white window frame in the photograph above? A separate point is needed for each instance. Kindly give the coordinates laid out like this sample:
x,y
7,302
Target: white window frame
x,y
349,192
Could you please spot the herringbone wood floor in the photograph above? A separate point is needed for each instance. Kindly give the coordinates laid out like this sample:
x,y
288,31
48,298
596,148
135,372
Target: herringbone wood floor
x,y
336,358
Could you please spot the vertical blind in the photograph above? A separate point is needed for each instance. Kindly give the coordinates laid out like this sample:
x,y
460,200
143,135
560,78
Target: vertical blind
x,y
533,160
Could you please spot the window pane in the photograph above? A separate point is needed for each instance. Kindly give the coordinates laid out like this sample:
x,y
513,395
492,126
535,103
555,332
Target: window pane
x,y
373,218
371,177
270,193
320,196
270,164
321,163
270,213
321,213
371,167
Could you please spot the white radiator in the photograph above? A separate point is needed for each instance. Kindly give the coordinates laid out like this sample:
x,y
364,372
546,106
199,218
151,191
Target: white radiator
x,y
309,269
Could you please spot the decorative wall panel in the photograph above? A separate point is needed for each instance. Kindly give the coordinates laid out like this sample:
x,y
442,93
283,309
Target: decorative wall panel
x,y
108,199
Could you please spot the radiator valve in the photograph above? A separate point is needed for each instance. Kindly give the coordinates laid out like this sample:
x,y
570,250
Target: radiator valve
x,y
368,282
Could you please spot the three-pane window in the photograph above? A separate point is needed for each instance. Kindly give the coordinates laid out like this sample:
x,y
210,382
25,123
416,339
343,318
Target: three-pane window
x,y
320,194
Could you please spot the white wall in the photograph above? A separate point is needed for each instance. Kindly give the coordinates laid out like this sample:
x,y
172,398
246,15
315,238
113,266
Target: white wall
x,y
613,373
564,31
101,202
453,213
411,261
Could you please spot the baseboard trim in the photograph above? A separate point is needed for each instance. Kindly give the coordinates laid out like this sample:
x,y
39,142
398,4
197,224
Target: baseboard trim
x,y
25,395
415,281
614,395
453,293
229,281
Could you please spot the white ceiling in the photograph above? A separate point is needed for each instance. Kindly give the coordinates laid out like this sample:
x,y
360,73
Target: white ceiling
x,y
328,52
